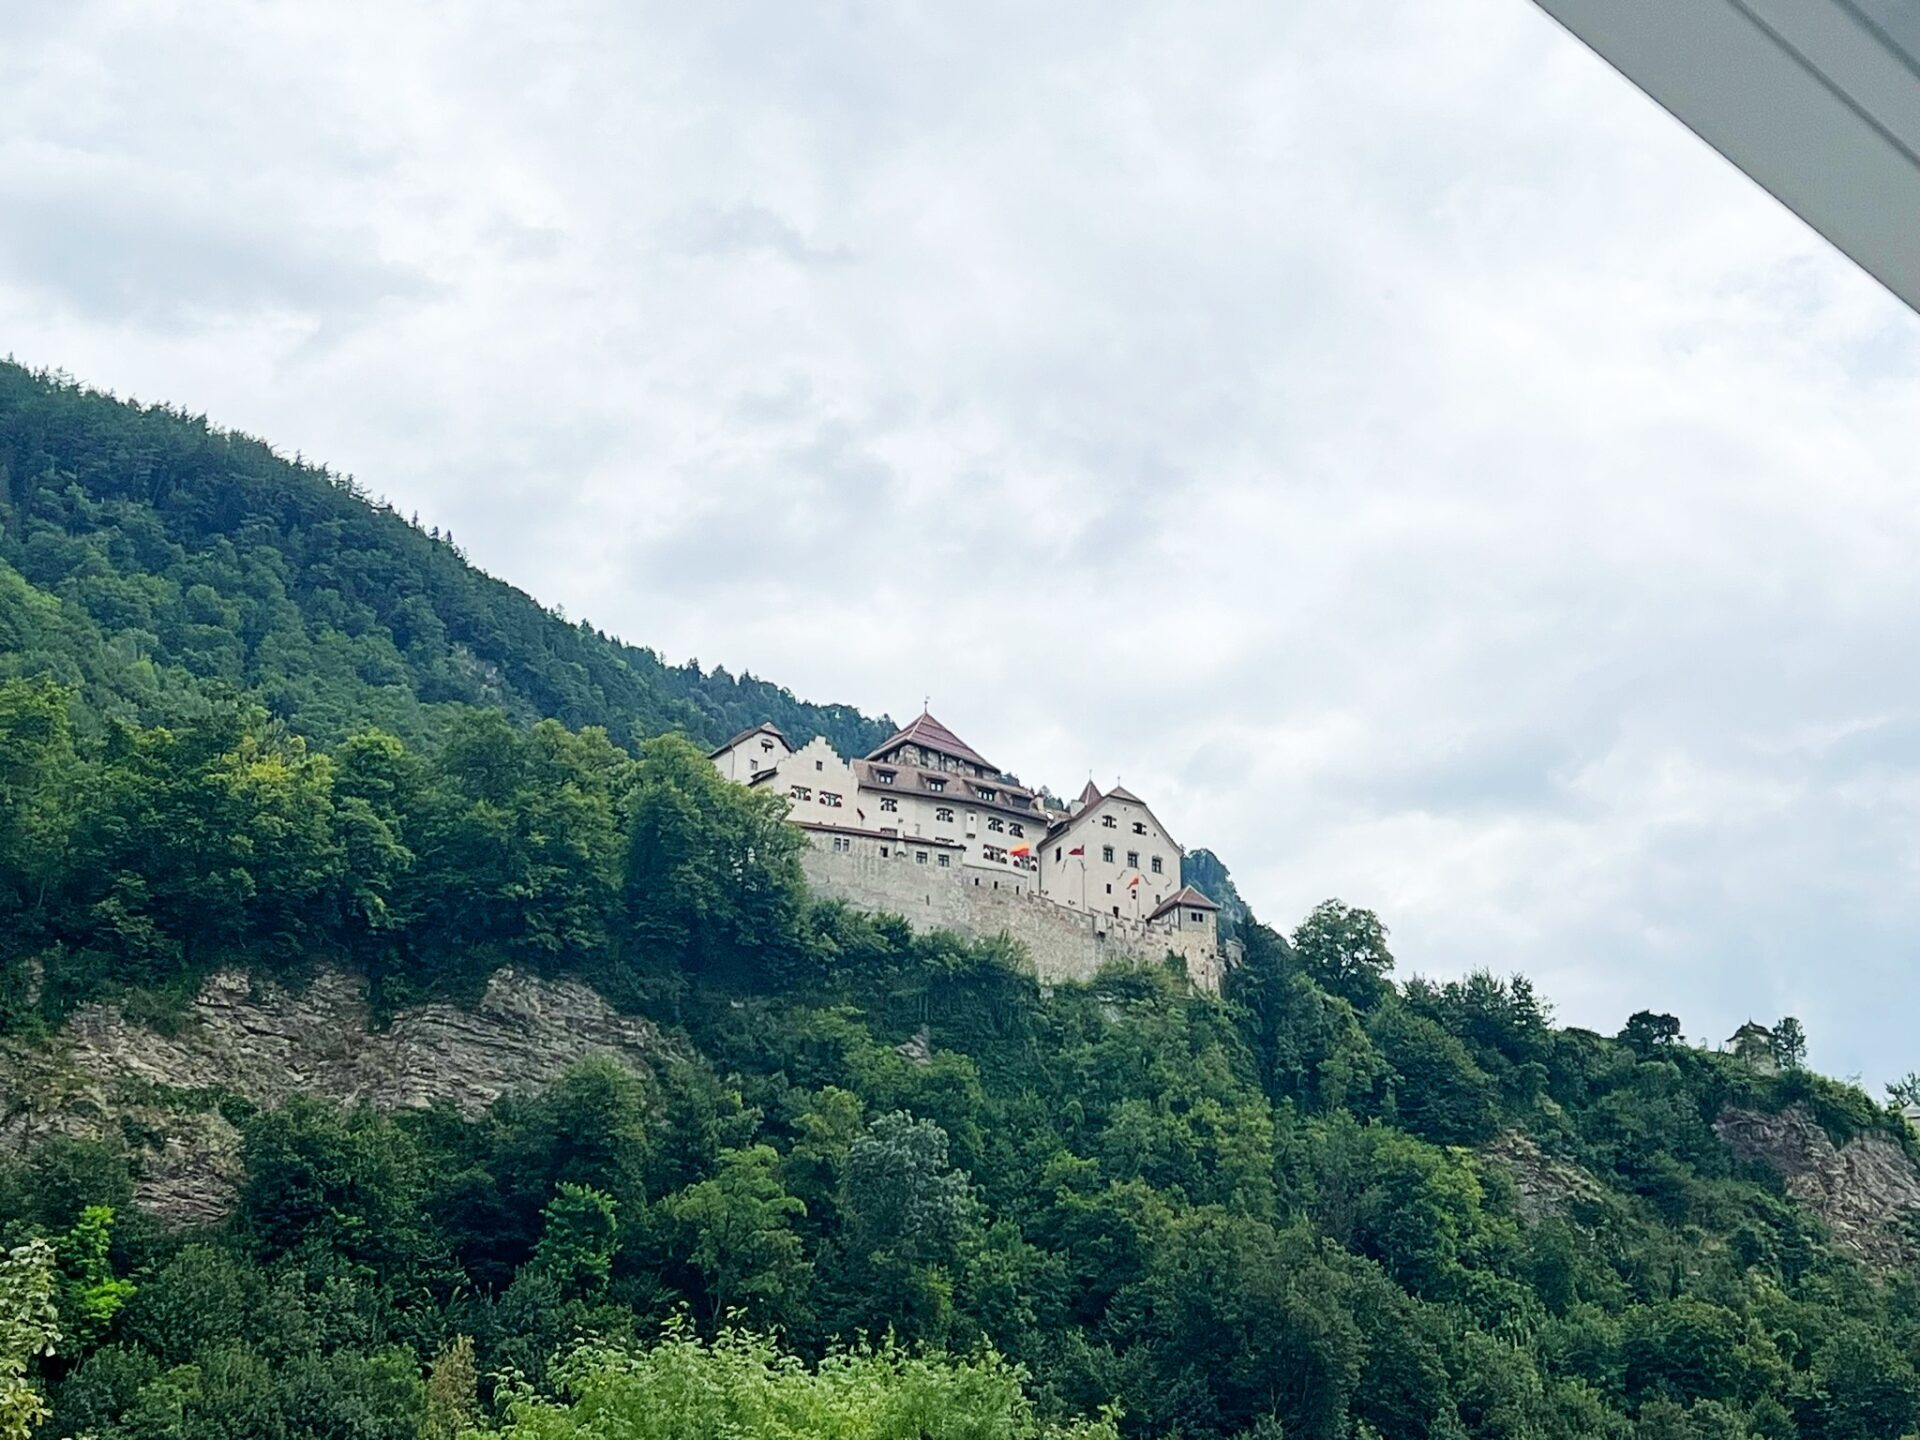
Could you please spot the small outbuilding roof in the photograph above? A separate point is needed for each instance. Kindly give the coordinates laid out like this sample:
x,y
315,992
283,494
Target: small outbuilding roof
x,y
1186,897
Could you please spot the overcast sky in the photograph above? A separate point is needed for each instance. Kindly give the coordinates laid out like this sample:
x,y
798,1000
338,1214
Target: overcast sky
x,y
1375,432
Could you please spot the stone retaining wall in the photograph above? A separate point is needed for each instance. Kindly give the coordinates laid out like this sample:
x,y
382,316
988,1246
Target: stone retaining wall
x,y
1063,944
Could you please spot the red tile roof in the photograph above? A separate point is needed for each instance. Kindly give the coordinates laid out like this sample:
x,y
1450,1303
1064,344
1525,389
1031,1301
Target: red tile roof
x,y
1186,896
929,734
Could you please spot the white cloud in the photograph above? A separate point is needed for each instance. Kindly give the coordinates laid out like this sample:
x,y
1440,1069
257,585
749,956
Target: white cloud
x,y
1475,498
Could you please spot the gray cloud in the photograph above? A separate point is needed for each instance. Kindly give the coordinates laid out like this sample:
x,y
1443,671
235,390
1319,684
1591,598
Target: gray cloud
x,y
1395,447
115,247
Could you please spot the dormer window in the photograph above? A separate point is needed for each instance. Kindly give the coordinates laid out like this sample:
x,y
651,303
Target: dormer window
x,y
983,792
936,785
885,777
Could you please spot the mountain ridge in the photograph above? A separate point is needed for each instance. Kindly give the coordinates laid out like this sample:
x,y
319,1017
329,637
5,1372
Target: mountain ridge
x,y
155,562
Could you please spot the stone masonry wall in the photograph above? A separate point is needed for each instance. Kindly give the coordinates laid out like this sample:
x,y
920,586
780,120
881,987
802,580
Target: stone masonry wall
x,y
1063,944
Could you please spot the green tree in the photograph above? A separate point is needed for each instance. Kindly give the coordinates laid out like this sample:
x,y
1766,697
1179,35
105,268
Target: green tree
x,y
1344,951
739,1387
1437,1090
1789,1044
329,1185
1647,1033
36,779
738,1229
579,1238
29,1329
713,870
90,1294
453,1392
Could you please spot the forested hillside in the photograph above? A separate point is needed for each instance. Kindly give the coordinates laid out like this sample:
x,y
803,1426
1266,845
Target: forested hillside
x,y
151,561
1331,1205
871,1184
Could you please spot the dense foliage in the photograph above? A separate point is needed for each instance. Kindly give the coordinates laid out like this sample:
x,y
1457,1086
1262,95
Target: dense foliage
x,y
238,725
154,563
1271,1215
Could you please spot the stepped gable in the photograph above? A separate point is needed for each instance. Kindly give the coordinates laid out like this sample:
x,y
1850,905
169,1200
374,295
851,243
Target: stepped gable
x,y
1186,896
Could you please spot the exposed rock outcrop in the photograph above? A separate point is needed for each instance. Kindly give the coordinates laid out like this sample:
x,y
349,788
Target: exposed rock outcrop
x,y
171,1095
1543,1185
1867,1191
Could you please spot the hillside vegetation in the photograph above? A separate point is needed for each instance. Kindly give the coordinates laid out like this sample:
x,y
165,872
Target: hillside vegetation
x,y
877,1183
155,563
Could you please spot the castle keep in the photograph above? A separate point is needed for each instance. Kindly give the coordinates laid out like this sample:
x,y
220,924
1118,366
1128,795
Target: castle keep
x,y
928,828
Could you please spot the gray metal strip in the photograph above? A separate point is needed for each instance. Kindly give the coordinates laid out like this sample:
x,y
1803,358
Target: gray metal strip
x,y
1814,99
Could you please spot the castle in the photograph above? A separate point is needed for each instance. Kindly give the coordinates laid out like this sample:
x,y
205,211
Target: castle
x,y
927,827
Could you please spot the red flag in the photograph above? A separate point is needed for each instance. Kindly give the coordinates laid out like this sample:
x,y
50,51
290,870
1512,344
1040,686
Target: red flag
x,y
1133,882
1021,850
1078,850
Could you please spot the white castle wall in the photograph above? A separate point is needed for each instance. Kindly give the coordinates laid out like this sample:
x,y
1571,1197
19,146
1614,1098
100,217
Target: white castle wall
x,y
1063,944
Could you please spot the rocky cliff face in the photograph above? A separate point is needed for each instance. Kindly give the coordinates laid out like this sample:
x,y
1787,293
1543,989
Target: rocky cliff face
x,y
1867,1191
172,1096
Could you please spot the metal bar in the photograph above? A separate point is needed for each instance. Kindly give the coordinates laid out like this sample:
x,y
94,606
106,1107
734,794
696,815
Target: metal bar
x,y
1814,99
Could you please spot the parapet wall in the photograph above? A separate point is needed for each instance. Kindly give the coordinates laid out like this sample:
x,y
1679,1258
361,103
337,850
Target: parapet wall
x,y
1064,944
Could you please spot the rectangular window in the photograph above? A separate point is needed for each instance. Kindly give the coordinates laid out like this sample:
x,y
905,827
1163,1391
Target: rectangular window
x,y
1196,916
1158,867
1133,859
996,824
944,814
946,862
1017,830
819,764
842,843
936,785
983,792
1107,822
1056,852
829,799
1139,827
1106,853
919,857
801,792
994,853
885,777
889,803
